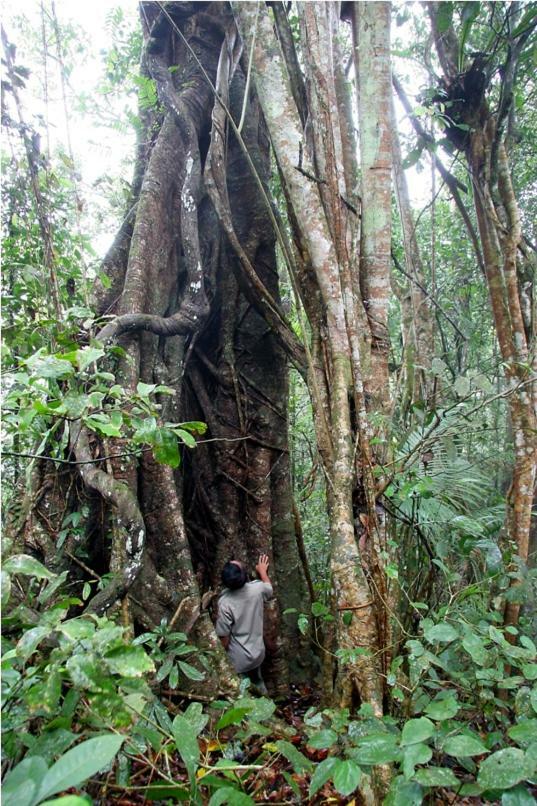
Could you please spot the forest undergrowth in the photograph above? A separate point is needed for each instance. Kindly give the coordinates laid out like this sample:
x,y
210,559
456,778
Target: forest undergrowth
x,y
132,720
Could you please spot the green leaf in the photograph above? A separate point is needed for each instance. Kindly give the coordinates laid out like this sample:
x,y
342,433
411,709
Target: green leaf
x,y
78,764
346,776
185,437
299,762
461,746
415,754
404,793
445,708
475,646
166,449
436,776
232,717
533,699
77,628
323,739
49,366
52,743
24,564
469,14
103,425
519,796
5,587
129,661
377,748
190,671
30,640
417,730
194,714
186,743
525,733
503,769
195,427
228,794
145,389
440,632
22,784
444,16
412,158
164,792
67,800
87,355
323,773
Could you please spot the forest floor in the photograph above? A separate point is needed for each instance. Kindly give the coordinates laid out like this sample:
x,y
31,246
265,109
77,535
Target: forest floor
x,y
262,772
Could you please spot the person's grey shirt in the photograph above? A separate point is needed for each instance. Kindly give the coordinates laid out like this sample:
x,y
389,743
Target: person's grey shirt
x,y
240,616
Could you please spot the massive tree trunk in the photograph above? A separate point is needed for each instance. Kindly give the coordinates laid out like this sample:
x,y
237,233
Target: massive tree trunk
x,y
192,312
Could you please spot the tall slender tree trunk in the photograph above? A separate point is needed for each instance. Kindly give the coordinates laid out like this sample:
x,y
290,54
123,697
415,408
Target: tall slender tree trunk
x,y
316,165
487,153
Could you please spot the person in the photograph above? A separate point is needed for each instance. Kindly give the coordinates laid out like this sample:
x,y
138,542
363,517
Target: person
x,y
239,623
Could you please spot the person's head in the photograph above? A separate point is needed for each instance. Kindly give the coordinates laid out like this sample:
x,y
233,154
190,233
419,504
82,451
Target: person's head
x,y
234,575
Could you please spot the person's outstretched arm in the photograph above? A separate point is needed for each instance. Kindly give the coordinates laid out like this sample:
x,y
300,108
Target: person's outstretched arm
x,y
262,570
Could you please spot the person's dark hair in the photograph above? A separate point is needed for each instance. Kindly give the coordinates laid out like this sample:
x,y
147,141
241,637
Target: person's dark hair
x,y
233,576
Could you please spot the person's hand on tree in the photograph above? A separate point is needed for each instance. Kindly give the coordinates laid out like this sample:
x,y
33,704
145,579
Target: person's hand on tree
x,y
262,567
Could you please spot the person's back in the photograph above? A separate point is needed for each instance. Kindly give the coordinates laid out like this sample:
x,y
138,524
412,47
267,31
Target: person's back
x,y
240,617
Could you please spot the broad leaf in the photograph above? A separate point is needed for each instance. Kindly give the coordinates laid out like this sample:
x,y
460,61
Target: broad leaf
x,y
165,448
194,714
525,733
186,743
22,784
323,739
87,355
29,566
462,746
519,796
323,773
190,671
232,717
415,754
377,748
417,730
346,776
299,762
404,793
441,632
444,708
437,776
78,764
129,661
233,797
503,769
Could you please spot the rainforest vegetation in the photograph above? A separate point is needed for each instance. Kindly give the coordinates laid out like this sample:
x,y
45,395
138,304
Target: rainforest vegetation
x,y
311,335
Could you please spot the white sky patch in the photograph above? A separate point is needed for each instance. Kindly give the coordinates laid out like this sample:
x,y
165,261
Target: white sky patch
x,y
101,150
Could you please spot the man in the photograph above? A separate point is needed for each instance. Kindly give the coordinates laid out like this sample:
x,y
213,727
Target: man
x,y
240,618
